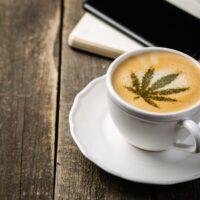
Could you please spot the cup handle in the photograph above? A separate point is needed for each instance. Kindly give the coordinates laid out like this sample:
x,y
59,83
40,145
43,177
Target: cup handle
x,y
194,130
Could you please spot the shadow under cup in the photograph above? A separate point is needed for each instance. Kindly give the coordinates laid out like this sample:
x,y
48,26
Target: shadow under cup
x,y
148,130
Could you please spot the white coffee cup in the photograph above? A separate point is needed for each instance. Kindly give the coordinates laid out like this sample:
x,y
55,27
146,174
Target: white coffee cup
x,y
148,130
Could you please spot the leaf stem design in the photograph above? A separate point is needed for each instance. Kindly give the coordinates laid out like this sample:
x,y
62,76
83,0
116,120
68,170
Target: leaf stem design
x,y
170,91
135,81
165,80
147,78
152,92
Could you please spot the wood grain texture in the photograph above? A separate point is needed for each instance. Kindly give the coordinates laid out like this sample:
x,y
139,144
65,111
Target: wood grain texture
x,y
28,81
76,177
183,191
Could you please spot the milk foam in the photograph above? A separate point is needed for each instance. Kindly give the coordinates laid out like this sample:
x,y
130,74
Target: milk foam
x,y
163,63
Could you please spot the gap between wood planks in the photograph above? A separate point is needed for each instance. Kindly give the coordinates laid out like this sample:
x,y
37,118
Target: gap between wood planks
x,y
60,35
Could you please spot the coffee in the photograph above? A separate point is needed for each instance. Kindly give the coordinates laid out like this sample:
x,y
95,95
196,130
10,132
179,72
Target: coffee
x,y
161,82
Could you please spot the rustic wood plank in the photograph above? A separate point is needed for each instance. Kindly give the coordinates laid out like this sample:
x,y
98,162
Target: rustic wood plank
x,y
28,81
189,190
76,177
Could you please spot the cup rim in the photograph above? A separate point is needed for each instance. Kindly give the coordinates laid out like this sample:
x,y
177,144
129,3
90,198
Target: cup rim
x,y
133,110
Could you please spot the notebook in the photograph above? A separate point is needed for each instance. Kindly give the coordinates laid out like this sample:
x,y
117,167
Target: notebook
x,y
95,36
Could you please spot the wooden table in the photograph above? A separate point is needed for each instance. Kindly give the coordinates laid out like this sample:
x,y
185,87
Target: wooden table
x,y
39,78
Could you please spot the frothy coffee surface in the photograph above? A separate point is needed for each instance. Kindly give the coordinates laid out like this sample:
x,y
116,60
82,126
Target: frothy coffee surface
x,y
159,82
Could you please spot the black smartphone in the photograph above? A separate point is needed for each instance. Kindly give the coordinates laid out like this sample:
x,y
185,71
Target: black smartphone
x,y
152,23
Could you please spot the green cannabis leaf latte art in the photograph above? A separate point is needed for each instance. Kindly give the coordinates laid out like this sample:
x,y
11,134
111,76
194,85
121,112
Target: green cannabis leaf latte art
x,y
151,93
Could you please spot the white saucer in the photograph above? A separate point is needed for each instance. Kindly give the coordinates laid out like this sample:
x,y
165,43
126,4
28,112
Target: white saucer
x,y
100,141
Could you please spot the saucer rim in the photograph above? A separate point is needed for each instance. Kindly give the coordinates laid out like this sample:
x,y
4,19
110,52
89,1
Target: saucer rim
x,y
72,126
